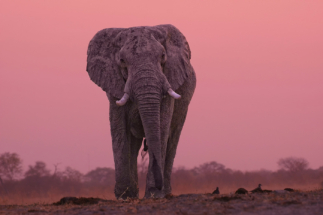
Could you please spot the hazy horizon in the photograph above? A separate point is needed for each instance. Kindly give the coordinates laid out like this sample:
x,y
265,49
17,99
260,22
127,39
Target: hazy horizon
x,y
259,87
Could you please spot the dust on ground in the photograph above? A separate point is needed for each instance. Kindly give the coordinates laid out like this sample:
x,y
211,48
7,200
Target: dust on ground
x,y
299,202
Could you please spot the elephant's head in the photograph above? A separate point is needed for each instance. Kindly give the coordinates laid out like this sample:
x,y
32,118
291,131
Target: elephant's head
x,y
142,64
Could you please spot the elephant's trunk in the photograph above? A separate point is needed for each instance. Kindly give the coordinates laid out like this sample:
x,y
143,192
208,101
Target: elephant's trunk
x,y
149,109
148,94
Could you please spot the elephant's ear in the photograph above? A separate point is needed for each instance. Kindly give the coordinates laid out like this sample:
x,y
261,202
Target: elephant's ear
x,y
101,64
177,66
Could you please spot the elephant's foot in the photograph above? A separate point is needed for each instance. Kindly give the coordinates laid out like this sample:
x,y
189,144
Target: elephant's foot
x,y
154,193
124,193
167,188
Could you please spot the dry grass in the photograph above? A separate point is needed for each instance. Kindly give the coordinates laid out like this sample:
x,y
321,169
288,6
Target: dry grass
x,y
18,198
300,202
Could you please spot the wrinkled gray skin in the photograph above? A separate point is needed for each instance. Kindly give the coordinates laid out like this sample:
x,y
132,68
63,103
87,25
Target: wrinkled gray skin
x,y
143,62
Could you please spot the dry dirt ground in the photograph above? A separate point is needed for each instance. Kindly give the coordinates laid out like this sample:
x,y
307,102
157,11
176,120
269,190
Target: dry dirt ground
x,y
309,202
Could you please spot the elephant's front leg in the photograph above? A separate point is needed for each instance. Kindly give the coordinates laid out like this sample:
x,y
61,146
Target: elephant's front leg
x,y
178,119
175,132
125,150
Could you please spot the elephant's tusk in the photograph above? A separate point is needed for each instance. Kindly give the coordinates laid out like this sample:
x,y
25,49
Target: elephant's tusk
x,y
173,94
123,100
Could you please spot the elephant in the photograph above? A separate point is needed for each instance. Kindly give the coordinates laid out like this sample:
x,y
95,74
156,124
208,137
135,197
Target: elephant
x,y
140,68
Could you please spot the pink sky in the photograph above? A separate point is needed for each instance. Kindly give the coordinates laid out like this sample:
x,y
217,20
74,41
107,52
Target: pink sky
x,y
259,94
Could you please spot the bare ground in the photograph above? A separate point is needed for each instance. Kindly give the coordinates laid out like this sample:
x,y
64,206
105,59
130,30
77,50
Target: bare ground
x,y
299,202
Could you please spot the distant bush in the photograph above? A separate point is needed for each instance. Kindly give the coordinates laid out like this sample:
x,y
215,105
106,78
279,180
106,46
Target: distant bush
x,y
39,182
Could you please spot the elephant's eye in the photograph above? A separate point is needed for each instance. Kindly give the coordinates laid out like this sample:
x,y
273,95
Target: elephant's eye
x,y
122,60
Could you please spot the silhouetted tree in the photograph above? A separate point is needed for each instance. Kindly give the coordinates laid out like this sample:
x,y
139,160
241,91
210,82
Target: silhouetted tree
x,y
37,181
56,172
293,164
101,175
38,170
10,166
208,173
210,168
72,174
